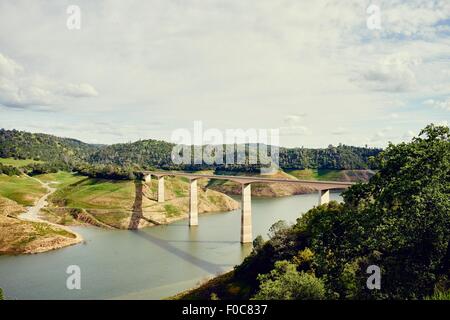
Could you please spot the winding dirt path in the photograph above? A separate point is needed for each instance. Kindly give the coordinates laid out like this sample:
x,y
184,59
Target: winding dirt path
x,y
32,213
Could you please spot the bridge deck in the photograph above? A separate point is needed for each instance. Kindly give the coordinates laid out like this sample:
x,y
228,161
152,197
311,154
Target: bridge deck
x,y
319,185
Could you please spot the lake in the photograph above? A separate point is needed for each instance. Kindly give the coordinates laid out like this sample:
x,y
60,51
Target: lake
x,y
151,263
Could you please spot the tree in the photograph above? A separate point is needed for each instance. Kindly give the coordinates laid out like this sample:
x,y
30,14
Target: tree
x,y
409,199
258,243
286,283
399,220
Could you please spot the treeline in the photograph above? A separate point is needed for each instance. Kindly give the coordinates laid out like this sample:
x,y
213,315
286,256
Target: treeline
x,y
334,157
31,169
151,153
86,169
389,239
121,159
93,171
9,170
144,153
107,172
39,146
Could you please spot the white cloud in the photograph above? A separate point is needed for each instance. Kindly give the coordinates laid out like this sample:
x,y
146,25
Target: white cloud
x,y
19,89
293,120
295,131
394,115
340,131
293,126
439,104
392,73
416,18
8,67
408,135
382,134
79,90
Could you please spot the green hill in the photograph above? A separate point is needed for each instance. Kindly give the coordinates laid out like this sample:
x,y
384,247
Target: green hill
x,y
143,153
332,175
42,147
66,153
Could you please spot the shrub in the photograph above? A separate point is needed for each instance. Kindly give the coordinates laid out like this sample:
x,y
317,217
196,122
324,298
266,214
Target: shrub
x,y
286,283
9,170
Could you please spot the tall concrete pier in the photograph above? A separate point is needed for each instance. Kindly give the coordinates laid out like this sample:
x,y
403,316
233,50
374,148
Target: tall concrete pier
x,y
246,213
324,196
161,189
193,203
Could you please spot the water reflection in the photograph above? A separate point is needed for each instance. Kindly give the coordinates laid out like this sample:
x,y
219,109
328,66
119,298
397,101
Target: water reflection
x,y
185,256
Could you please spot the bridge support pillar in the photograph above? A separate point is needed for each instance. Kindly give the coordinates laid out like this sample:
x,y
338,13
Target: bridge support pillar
x,y
148,178
193,203
161,189
246,214
324,196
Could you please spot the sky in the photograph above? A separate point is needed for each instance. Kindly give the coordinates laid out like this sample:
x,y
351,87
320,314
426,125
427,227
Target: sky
x,y
321,72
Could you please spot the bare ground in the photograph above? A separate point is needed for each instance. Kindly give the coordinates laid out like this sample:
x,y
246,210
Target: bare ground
x,y
25,232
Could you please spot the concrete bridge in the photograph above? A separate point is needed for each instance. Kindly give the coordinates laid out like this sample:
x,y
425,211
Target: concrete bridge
x,y
323,188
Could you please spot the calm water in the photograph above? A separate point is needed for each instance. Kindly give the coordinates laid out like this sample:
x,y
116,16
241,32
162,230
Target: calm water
x,y
152,263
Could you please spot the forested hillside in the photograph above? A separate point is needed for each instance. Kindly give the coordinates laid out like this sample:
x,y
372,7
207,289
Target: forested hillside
x,y
143,153
339,157
65,153
39,146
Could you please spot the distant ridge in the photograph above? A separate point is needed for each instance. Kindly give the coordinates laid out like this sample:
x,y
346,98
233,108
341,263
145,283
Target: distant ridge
x,y
154,153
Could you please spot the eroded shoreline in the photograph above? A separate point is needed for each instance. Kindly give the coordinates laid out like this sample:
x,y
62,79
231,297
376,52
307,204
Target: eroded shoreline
x,y
52,243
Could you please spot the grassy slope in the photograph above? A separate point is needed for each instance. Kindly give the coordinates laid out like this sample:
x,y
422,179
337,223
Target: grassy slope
x,y
280,190
176,205
100,202
97,194
22,190
17,163
17,236
81,192
112,202
262,189
331,175
61,178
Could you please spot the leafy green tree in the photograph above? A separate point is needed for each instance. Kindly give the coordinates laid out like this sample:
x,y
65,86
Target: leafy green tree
x,y
9,170
258,243
409,199
286,283
399,220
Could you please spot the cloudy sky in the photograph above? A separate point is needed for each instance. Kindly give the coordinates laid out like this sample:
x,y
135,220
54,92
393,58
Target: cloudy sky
x,y
142,69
